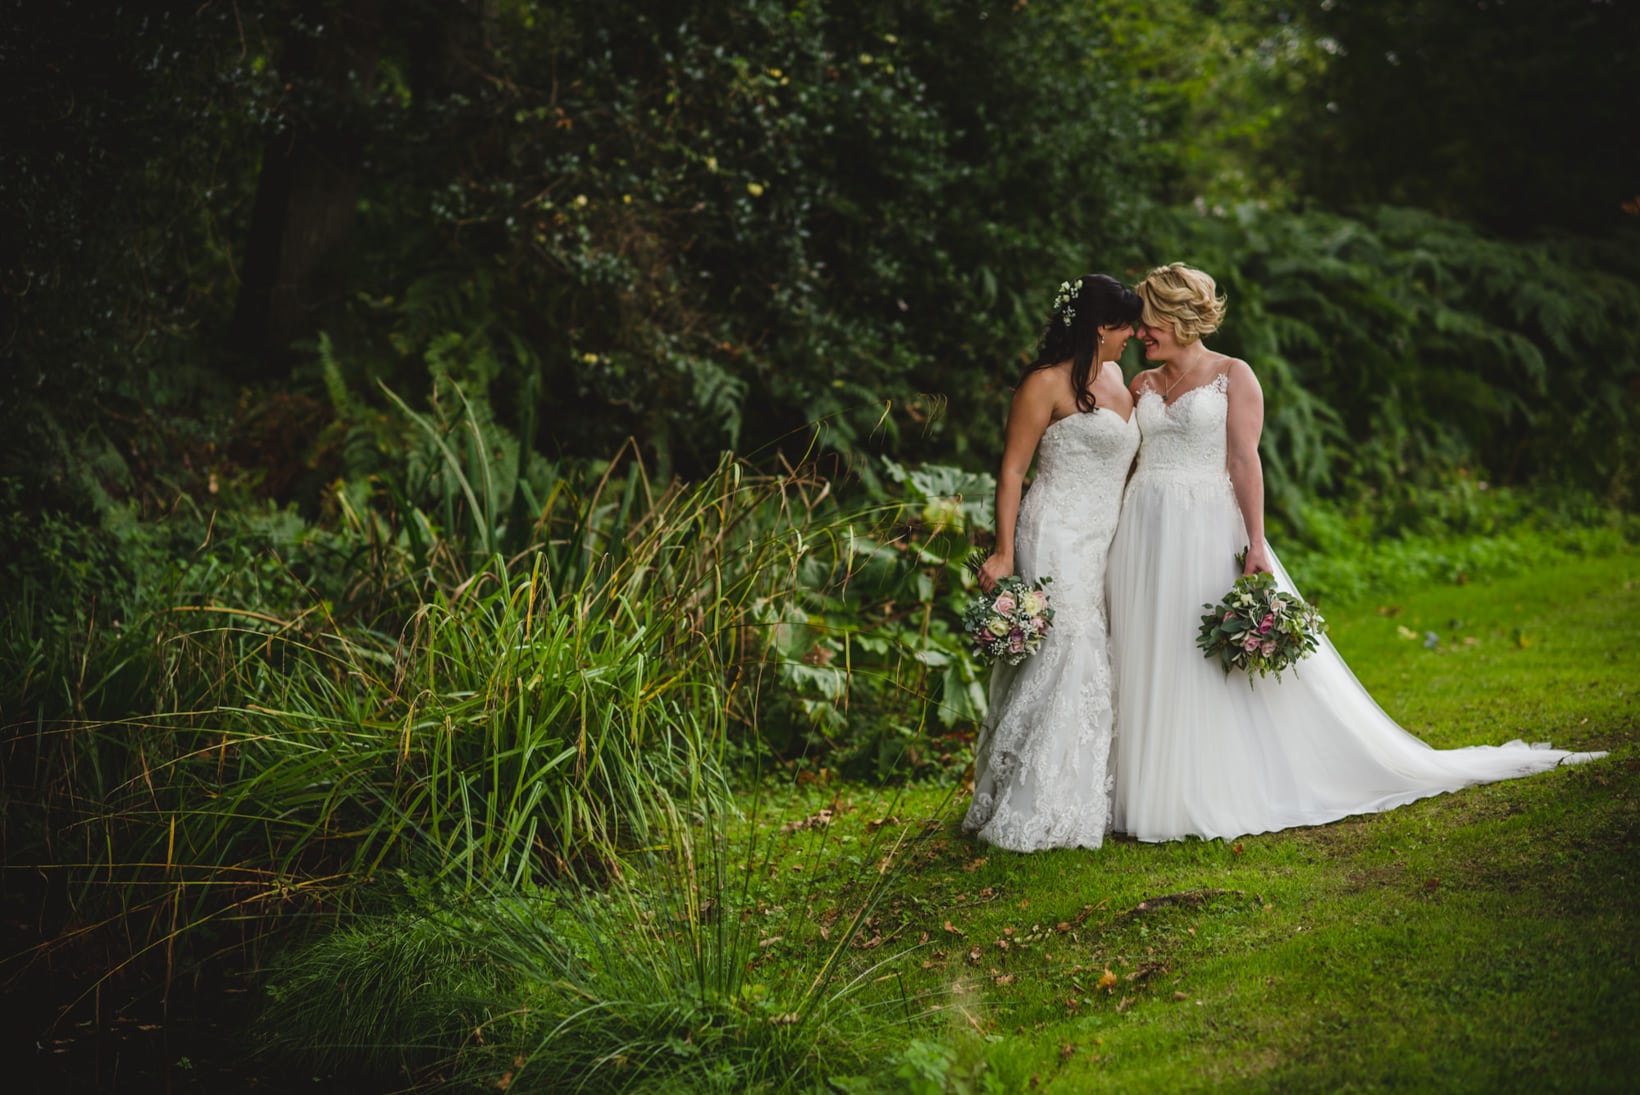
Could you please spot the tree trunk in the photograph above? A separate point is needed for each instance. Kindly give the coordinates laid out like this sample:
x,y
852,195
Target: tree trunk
x,y
307,194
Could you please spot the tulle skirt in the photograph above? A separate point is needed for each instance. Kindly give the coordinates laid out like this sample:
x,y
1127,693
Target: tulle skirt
x,y
1197,753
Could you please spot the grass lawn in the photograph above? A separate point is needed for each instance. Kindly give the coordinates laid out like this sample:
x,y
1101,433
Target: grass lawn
x,y
1477,941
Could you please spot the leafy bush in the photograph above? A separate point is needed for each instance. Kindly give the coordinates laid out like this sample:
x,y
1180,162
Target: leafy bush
x,y
1400,348
1461,535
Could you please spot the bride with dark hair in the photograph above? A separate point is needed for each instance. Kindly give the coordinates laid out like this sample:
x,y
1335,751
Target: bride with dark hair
x,y
1041,768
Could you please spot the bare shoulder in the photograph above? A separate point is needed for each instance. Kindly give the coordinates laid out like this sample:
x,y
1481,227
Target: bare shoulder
x,y
1240,374
1143,382
1048,374
1044,383
1043,389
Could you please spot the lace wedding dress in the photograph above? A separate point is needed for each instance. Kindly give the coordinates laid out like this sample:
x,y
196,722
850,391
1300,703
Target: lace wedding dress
x,y
1202,754
1041,771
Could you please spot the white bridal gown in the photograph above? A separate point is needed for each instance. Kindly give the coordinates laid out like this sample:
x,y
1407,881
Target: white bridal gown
x,y
1041,769
1202,754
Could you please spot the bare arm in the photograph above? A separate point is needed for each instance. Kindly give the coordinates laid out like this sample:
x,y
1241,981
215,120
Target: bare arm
x,y
1245,425
1028,418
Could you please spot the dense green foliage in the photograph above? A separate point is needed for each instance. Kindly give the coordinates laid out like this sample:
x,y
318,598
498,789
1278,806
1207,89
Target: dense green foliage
x,y
446,447
669,223
705,227
1498,113
1399,351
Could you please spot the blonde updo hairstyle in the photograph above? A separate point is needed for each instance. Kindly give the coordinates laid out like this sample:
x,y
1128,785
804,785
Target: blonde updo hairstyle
x,y
1182,299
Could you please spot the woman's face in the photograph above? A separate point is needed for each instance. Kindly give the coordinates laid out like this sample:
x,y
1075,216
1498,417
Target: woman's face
x,y
1113,339
1158,341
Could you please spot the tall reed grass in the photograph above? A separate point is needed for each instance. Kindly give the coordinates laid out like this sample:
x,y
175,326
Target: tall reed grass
x,y
477,719
648,983
483,730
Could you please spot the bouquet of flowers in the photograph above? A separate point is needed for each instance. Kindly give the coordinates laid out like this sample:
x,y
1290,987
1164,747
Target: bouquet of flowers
x,y
1008,623
1259,628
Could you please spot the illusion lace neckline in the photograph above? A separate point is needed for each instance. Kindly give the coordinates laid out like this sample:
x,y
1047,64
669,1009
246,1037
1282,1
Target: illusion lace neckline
x,y
1219,384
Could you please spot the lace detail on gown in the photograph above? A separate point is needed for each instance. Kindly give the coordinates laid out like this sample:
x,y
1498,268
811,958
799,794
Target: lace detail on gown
x,y
1042,777
1202,754
1184,443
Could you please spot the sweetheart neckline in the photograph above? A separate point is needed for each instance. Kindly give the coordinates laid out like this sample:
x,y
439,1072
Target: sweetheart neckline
x,y
1127,421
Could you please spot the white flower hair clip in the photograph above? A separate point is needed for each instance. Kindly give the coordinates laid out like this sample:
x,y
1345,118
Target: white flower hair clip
x,y
1063,301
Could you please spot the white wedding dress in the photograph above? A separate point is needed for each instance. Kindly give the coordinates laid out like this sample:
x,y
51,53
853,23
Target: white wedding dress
x,y
1041,768
1202,754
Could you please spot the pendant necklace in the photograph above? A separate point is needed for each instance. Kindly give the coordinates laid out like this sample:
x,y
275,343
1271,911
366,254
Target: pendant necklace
x,y
1169,389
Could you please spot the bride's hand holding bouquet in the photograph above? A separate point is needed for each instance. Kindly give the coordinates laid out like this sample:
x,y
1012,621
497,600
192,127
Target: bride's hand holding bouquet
x,y
1255,559
996,567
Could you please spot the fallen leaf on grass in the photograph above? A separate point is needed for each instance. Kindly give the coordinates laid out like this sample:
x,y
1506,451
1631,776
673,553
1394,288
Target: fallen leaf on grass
x,y
1181,996
1108,981
1005,979
975,865
1146,970
953,929
815,821
1122,1004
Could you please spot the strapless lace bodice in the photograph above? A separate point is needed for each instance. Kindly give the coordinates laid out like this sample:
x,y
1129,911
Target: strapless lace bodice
x,y
1184,441
1081,465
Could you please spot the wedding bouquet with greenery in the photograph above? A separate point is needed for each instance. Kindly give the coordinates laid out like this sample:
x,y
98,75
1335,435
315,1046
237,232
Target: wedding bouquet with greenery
x,y
1008,623
1259,628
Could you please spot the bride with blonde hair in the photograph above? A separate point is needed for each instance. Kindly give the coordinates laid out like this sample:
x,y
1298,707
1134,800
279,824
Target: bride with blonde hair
x,y
1199,753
